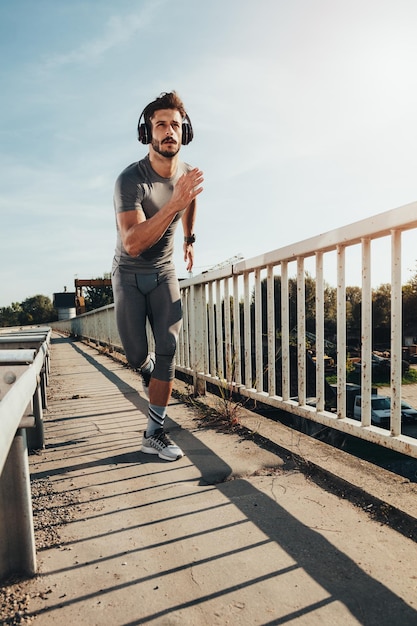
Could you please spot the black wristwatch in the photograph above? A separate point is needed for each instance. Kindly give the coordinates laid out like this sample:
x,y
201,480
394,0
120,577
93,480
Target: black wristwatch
x,y
189,239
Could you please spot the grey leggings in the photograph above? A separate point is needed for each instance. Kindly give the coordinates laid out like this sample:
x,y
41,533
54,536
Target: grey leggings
x,y
156,297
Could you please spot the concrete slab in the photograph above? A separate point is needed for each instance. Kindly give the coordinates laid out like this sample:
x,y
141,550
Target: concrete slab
x,y
230,534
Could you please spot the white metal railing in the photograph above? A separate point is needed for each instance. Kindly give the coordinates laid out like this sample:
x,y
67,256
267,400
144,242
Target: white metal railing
x,y
24,370
226,341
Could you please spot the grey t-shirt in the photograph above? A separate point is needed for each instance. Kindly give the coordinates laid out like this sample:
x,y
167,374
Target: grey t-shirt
x,y
140,187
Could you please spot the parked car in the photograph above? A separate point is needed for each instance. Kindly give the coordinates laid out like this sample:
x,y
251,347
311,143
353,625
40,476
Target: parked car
x,y
381,410
408,412
381,366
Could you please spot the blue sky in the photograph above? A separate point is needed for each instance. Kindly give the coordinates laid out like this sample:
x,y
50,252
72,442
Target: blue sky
x,y
303,113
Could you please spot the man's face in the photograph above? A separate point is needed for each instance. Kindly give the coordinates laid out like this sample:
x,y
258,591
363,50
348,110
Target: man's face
x,y
166,132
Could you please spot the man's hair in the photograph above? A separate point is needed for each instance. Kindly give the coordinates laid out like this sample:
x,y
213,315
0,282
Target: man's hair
x,y
164,101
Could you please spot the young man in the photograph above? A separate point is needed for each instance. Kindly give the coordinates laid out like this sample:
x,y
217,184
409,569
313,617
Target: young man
x,y
151,197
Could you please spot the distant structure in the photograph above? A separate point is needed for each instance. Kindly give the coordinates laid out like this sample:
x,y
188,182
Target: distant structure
x,y
72,303
219,266
90,282
64,303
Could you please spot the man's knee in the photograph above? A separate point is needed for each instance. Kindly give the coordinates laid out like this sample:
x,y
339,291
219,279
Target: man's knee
x,y
164,367
136,358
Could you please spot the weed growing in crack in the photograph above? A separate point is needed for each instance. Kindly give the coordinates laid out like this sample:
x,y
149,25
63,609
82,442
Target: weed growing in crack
x,y
228,409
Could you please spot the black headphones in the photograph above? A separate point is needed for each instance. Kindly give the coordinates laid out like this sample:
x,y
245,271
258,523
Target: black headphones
x,y
145,133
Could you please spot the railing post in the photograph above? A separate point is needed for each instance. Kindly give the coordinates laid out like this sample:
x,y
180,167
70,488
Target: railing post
x,y
36,436
197,336
341,332
17,539
301,333
396,332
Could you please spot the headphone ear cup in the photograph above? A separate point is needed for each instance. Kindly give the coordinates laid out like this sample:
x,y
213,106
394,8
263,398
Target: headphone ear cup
x,y
143,134
184,139
187,133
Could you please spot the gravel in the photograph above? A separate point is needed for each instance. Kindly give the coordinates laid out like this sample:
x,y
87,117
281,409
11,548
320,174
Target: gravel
x,y
51,510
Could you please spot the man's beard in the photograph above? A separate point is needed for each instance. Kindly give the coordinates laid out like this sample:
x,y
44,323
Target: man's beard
x,y
158,147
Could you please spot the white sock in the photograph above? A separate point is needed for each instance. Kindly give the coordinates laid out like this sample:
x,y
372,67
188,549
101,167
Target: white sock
x,y
156,417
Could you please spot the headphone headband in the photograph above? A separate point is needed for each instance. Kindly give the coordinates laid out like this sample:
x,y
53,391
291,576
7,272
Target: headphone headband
x,y
145,133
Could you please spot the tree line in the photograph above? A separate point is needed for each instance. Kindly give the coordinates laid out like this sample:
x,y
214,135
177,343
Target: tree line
x,y
381,308
39,309
35,310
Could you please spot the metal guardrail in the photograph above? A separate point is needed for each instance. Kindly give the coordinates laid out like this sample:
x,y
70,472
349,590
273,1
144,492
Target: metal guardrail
x,y
230,336
24,372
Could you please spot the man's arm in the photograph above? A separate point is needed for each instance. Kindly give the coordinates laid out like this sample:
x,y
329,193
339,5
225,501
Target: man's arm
x,y
188,221
138,233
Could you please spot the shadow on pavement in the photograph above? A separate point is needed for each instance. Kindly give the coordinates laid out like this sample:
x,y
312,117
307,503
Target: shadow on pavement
x,y
369,602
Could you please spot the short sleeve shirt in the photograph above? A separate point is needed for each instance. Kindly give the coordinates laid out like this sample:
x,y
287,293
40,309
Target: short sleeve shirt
x,y
139,187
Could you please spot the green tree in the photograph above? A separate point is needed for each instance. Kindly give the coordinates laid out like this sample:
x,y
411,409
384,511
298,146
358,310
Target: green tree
x,y
409,294
353,309
381,314
37,310
98,295
10,315
310,308
330,308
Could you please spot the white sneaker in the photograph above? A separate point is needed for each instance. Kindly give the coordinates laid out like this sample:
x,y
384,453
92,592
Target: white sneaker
x,y
160,444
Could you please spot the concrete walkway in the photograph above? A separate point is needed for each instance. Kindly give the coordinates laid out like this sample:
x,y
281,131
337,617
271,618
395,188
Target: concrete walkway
x,y
230,534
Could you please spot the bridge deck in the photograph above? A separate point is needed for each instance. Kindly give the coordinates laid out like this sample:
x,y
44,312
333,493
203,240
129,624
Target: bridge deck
x,y
231,533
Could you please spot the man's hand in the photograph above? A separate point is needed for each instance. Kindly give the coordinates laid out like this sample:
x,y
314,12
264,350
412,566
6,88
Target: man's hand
x,y
187,189
189,256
